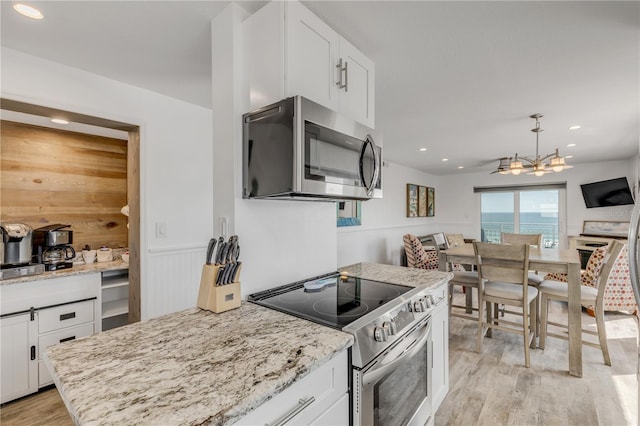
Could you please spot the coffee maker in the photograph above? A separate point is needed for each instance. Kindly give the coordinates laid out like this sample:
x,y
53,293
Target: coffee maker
x,y
52,247
15,251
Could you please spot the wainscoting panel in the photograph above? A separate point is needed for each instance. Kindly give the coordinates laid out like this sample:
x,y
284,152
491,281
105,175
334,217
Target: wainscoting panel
x,y
172,281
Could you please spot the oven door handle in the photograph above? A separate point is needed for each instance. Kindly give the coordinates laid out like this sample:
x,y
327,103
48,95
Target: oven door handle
x,y
375,375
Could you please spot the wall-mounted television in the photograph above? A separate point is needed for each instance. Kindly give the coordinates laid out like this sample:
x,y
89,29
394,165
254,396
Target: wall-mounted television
x,y
612,192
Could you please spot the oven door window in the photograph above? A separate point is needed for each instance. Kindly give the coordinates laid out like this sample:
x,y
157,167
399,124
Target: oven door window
x,y
398,396
331,156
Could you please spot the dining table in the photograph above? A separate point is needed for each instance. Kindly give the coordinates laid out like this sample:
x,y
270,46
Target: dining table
x,y
544,260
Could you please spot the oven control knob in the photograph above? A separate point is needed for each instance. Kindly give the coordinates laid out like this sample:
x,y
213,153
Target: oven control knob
x,y
389,327
427,301
379,335
419,306
431,299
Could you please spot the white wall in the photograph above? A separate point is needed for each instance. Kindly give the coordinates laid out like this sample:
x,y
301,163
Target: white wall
x,y
176,169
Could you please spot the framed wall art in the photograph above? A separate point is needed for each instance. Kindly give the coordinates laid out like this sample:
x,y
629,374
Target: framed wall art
x,y
412,200
431,202
349,213
422,201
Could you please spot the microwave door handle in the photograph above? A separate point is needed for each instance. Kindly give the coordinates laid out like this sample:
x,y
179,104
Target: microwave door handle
x,y
375,375
376,165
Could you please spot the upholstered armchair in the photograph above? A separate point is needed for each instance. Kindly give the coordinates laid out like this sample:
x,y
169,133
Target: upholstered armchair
x,y
417,256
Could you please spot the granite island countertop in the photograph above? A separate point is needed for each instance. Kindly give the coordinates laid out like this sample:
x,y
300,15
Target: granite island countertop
x,y
189,367
401,275
194,366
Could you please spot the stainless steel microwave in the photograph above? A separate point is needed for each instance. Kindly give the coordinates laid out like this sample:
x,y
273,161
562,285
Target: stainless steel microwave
x,y
296,148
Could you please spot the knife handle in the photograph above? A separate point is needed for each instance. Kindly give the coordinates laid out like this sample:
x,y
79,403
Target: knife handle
x,y
220,274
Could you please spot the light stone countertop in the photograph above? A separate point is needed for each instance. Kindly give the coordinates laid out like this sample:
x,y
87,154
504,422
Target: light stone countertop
x,y
74,270
197,367
401,275
190,367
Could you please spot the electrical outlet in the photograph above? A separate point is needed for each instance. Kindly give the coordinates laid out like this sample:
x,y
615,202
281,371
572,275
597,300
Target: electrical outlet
x,y
224,225
161,229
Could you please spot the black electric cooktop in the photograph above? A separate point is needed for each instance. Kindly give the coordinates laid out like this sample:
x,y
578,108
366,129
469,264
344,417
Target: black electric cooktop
x,y
332,300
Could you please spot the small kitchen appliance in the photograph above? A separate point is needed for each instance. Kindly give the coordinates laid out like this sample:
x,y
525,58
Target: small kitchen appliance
x,y
15,251
52,247
392,354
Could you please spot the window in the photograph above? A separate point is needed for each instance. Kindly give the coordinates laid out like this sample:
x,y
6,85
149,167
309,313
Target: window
x,y
523,210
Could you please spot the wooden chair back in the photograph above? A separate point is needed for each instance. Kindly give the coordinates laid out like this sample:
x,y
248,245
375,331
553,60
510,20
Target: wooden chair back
x,y
601,281
502,262
530,239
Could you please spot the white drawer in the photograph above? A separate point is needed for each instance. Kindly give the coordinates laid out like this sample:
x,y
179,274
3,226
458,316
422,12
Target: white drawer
x,y
53,338
65,316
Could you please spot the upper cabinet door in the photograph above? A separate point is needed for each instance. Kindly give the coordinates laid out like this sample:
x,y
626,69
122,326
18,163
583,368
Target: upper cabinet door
x,y
312,55
289,51
357,97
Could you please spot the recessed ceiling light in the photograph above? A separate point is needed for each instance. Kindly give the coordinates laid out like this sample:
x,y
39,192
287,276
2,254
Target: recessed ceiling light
x,y
568,156
28,11
576,127
445,159
422,149
571,144
461,167
59,121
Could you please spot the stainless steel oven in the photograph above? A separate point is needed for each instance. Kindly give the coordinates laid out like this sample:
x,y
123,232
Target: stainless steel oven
x,y
395,388
391,359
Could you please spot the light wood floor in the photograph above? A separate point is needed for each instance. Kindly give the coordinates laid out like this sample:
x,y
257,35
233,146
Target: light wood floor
x,y
492,388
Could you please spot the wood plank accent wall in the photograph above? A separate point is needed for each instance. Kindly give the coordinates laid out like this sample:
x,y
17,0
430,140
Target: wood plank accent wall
x,y
50,176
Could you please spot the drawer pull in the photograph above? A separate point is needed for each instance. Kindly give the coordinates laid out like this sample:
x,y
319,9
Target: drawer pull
x,y
302,404
70,315
33,353
66,339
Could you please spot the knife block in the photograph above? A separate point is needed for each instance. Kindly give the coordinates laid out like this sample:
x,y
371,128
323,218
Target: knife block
x,y
217,298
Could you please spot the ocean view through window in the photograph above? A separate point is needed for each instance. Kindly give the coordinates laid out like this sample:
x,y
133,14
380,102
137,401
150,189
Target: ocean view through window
x,y
521,212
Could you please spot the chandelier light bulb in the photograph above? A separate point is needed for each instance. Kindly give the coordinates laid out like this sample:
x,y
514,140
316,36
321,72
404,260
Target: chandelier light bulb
x,y
539,172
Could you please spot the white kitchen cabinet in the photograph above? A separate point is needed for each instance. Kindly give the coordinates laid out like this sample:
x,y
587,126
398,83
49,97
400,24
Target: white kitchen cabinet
x,y
440,362
19,363
37,314
290,51
320,398
115,299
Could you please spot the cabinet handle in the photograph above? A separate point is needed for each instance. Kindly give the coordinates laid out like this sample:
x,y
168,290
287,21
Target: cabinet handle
x,y
70,315
33,353
340,70
302,404
66,339
346,76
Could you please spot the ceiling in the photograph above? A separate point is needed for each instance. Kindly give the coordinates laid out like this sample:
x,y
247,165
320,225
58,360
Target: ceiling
x,y
458,78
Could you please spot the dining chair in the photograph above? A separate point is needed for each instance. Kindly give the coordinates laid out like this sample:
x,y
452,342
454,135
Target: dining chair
x,y
468,280
534,240
555,290
502,279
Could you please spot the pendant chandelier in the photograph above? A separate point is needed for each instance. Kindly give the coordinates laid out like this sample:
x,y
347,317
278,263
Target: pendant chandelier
x,y
538,165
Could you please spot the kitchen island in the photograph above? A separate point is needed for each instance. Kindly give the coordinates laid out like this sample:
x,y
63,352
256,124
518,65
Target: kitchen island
x,y
189,367
197,367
